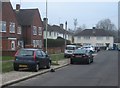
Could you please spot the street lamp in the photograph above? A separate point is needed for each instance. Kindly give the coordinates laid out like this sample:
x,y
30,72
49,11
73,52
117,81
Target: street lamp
x,y
46,25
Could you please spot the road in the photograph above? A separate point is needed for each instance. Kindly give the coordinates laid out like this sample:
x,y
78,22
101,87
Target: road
x,y
102,72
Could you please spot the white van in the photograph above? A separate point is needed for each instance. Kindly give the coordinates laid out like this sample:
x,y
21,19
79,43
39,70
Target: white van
x,y
69,50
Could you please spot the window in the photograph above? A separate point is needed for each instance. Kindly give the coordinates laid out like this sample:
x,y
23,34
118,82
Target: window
x,y
34,30
54,33
99,44
39,53
34,43
2,26
40,43
99,38
19,30
12,27
39,30
107,38
87,37
12,45
50,33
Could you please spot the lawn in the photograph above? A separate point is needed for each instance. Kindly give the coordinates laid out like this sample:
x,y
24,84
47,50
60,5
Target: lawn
x,y
8,66
5,58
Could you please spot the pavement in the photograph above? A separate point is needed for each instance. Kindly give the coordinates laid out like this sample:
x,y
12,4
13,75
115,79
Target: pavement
x,y
17,76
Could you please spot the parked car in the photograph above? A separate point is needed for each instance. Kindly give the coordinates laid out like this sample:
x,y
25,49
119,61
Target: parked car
x,y
81,56
33,59
89,48
69,50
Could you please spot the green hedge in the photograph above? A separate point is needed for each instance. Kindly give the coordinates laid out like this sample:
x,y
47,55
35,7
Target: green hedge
x,y
59,42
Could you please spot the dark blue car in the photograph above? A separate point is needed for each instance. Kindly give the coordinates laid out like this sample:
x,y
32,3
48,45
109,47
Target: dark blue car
x,y
33,59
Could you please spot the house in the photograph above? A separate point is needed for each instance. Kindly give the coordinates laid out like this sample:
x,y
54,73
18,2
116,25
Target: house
x,y
31,26
10,30
94,37
20,28
55,31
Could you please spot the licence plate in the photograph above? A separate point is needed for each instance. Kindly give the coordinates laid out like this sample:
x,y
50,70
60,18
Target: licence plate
x,y
78,56
22,65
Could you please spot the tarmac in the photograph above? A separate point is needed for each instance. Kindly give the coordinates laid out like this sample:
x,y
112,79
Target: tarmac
x,y
12,77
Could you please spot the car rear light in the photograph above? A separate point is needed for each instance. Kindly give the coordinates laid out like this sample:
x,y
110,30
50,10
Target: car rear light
x,y
34,56
16,53
73,55
85,56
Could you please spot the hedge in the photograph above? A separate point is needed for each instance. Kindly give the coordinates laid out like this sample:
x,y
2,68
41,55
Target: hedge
x,y
59,42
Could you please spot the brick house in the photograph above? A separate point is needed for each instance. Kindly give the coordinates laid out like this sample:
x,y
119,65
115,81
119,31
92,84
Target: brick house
x,y
20,28
31,25
10,30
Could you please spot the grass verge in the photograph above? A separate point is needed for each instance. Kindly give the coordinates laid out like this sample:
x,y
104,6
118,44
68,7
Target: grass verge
x,y
8,66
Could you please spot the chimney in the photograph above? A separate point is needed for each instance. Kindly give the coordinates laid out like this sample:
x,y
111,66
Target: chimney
x,y
94,28
45,20
17,7
61,26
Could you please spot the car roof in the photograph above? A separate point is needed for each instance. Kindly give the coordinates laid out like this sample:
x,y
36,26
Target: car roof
x,y
30,49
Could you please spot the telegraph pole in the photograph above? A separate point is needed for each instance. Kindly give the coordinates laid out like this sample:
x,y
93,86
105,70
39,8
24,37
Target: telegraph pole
x,y
65,32
46,25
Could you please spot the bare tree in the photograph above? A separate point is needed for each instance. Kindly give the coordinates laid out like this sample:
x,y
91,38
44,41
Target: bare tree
x,y
106,24
80,28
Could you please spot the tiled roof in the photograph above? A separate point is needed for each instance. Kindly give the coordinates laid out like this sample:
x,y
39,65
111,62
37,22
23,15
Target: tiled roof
x,y
25,16
56,28
93,32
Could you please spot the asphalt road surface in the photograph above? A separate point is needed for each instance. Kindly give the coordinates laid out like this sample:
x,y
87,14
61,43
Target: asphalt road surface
x,y
102,72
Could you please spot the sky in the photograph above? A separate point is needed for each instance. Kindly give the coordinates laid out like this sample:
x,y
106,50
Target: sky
x,y
86,12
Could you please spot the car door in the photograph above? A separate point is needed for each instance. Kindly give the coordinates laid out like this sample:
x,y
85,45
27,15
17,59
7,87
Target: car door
x,y
46,58
40,58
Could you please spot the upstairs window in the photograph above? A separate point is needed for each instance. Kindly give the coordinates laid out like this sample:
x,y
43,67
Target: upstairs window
x,y
87,37
19,30
2,26
99,38
107,38
39,30
12,27
34,30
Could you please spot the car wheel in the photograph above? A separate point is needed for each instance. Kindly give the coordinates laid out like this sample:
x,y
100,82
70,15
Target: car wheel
x,y
16,68
36,68
71,62
48,66
88,61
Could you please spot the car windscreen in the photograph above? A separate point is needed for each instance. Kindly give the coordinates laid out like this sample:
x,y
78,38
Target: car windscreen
x,y
70,48
25,53
80,51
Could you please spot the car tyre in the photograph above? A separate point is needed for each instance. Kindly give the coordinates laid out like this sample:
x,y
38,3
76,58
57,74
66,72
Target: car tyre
x,y
48,66
16,68
36,68
88,61
71,62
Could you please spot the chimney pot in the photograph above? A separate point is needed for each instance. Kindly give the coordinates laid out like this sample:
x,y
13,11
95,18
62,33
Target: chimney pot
x,y
61,26
17,7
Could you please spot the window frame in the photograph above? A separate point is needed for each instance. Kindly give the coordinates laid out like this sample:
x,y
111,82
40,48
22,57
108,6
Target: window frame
x,y
39,30
34,30
3,24
19,30
12,27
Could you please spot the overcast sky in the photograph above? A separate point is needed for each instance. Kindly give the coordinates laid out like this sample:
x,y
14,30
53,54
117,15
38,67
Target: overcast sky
x,y
88,13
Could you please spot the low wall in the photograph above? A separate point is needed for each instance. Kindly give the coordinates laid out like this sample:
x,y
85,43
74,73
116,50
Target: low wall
x,y
8,53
